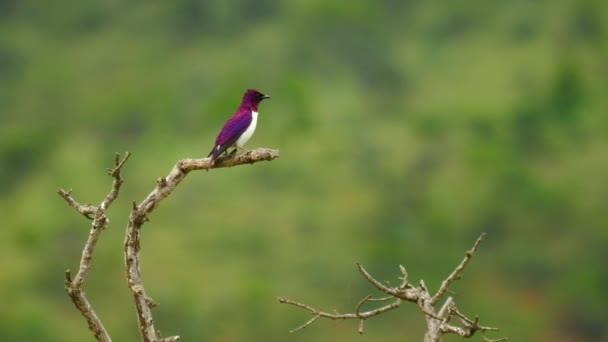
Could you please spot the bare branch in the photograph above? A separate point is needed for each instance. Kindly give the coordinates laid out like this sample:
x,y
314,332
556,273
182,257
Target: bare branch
x,y
376,283
380,299
74,286
139,215
469,331
303,326
437,324
471,325
404,280
358,308
443,312
360,315
248,157
85,209
455,275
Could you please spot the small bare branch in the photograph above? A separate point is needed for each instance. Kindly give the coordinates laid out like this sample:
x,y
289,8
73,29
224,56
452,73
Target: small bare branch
x,y
444,311
74,286
404,279
115,172
303,326
437,324
248,157
470,327
360,315
374,282
361,304
471,324
139,215
68,276
87,210
430,314
455,275
380,299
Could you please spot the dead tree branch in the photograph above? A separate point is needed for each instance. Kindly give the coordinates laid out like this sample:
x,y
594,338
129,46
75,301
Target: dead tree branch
x,y
139,215
360,315
438,323
100,222
455,275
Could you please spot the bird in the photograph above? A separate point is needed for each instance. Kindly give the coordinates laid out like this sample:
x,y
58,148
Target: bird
x,y
240,127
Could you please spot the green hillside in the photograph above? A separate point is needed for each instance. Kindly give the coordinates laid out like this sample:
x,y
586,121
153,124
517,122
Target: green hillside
x,y
406,128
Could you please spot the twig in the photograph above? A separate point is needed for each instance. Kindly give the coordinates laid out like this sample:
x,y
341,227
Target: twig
x,y
85,209
471,325
360,315
376,283
303,326
437,324
100,221
358,307
380,299
139,215
455,275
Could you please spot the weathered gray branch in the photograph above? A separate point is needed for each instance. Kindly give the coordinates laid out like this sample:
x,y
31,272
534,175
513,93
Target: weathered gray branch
x,y
139,215
360,315
437,323
100,222
455,275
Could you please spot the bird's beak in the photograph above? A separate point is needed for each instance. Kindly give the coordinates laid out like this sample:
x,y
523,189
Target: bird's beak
x,y
265,97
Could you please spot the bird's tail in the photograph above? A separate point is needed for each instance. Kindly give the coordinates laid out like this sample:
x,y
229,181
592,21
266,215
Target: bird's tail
x,y
213,154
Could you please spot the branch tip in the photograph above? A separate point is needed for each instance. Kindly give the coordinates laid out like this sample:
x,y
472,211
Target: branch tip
x,y
375,282
100,221
361,304
455,275
151,302
118,164
437,324
140,214
402,269
132,242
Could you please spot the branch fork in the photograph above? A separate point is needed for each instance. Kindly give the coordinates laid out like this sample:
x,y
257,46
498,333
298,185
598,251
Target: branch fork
x,y
100,221
438,324
139,215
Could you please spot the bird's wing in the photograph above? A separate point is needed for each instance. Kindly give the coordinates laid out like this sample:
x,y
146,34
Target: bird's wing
x,y
230,133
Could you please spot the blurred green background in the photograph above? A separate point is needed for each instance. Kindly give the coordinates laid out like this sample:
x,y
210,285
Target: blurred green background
x,y
406,128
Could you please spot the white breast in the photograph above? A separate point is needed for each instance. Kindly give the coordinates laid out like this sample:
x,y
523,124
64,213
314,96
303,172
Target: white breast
x,y
249,131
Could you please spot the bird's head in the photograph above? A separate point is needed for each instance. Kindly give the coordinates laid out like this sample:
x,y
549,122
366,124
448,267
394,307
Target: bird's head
x,y
252,98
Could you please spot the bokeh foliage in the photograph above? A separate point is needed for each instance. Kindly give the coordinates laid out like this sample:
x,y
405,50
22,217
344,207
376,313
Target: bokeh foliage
x,y
406,128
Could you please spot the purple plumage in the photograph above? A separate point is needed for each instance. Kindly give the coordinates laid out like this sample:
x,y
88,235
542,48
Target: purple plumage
x,y
240,127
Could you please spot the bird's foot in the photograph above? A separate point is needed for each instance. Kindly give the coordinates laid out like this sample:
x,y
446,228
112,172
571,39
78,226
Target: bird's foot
x,y
242,150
